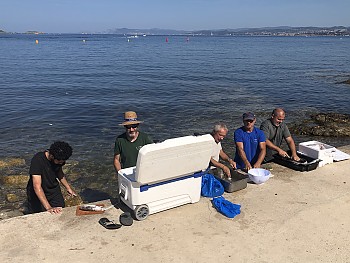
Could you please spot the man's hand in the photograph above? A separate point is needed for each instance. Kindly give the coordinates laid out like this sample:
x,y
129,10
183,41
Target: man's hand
x,y
283,153
232,163
257,165
248,166
226,170
296,158
71,192
55,210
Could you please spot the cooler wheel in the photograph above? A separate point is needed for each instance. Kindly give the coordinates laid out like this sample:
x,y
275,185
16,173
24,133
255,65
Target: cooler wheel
x,y
141,212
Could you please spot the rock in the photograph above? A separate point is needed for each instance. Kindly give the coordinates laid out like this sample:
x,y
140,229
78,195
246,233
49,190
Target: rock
x,y
5,214
330,118
323,124
72,200
15,180
12,198
73,176
94,185
344,82
67,168
10,162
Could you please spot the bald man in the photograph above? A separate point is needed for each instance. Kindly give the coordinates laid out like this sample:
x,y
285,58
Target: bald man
x,y
275,131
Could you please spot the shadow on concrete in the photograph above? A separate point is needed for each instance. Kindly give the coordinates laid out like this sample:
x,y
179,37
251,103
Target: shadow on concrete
x,y
91,195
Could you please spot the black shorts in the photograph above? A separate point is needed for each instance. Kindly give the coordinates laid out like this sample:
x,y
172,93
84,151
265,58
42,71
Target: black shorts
x,y
35,206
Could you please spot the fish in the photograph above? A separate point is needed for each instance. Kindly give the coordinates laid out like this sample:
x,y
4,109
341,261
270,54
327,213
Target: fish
x,y
91,208
94,207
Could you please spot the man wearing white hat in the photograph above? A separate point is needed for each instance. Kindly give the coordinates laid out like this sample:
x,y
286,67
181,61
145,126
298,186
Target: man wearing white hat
x,y
128,144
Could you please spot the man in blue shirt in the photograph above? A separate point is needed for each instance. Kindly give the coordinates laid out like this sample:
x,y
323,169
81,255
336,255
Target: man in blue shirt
x,y
250,144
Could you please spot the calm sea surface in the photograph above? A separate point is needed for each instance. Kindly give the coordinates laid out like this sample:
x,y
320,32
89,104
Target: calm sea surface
x,y
76,87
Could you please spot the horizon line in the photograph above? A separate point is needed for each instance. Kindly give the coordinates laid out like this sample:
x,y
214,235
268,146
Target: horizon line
x,y
179,30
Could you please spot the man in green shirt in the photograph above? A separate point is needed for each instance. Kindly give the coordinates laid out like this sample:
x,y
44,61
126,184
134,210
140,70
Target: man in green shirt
x,y
128,144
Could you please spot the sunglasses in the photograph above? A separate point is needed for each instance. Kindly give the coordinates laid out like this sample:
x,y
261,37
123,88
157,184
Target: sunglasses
x,y
60,162
134,126
249,121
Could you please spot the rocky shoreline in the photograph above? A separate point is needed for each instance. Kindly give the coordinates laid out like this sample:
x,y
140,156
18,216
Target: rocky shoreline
x,y
14,171
323,124
344,82
13,188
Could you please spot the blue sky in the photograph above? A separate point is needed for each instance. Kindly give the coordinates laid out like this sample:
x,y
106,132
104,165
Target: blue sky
x,y
74,16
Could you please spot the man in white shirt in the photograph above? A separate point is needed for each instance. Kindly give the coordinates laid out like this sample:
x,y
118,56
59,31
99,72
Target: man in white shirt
x,y
219,133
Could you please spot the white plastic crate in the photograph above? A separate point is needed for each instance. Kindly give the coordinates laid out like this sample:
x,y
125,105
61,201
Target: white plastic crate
x,y
318,150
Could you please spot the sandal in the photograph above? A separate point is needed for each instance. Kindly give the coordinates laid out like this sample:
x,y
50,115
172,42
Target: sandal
x,y
125,219
106,223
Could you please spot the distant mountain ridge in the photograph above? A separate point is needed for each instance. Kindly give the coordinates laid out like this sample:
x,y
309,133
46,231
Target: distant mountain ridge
x,y
281,30
261,31
274,31
152,31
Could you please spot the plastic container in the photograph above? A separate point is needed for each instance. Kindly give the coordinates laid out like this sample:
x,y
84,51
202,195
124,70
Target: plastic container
x,y
309,164
237,182
318,150
259,175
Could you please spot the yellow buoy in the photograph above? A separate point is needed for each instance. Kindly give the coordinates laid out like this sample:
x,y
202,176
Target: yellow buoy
x,y
36,41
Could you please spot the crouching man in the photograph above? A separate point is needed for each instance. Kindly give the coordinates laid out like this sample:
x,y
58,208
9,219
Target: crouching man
x,y
219,133
275,131
43,188
250,144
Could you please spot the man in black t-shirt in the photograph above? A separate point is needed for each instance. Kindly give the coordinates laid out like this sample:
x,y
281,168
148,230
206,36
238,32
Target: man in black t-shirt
x,y
43,188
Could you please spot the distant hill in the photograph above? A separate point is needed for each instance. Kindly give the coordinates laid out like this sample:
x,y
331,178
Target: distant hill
x,y
152,31
33,32
262,31
279,31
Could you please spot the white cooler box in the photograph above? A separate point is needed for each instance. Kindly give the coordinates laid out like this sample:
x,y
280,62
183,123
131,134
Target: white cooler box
x,y
318,150
167,174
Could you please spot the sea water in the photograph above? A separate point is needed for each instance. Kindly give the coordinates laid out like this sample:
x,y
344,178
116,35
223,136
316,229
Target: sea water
x,y
76,87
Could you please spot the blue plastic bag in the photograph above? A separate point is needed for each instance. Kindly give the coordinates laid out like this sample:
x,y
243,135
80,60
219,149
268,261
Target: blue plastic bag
x,y
211,187
225,207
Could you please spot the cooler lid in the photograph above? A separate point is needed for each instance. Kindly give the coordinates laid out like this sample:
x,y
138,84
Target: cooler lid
x,y
173,158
